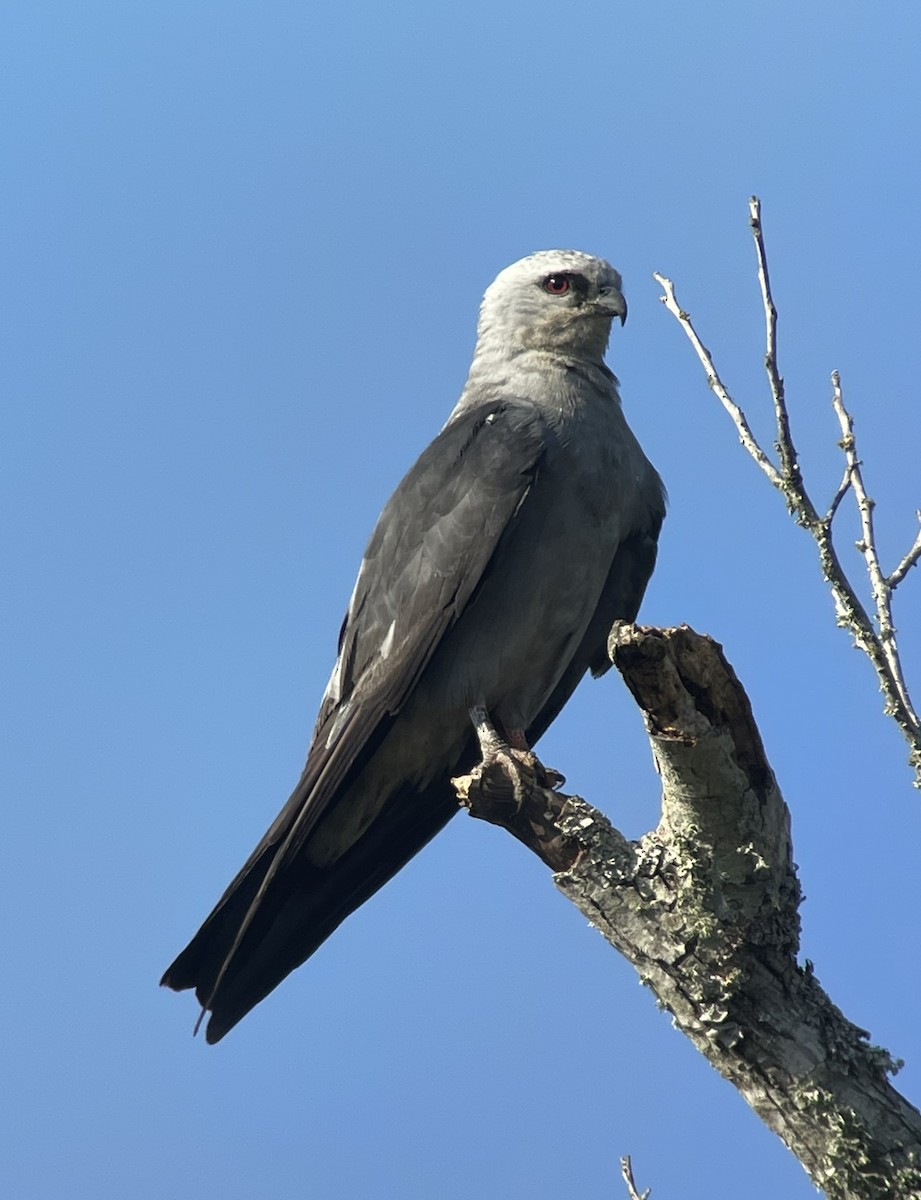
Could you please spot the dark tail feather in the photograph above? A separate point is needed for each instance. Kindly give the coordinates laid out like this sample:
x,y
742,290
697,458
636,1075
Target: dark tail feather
x,y
301,907
200,963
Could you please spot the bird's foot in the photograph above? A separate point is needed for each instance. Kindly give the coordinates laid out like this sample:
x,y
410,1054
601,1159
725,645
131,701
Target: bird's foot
x,y
509,768
512,788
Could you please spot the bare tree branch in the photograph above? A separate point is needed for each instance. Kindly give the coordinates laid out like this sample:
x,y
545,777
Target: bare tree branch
x,y
626,1169
789,464
875,635
705,907
843,488
880,584
746,437
910,560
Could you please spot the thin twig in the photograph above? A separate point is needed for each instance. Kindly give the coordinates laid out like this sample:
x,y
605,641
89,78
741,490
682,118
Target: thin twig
x,y
746,436
910,560
626,1169
865,506
843,488
789,462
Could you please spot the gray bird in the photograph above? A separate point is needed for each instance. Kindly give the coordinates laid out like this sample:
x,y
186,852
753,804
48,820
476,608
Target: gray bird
x,y
491,581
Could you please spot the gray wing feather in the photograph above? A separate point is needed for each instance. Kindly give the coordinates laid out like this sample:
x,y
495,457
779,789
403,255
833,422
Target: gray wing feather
x,y
620,601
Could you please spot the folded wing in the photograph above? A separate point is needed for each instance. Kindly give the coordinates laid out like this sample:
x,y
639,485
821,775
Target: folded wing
x,y
433,546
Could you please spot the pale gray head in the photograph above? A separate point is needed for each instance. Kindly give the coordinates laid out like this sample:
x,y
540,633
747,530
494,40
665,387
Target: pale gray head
x,y
554,300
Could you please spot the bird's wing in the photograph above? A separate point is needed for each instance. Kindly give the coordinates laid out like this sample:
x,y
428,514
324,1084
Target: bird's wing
x,y
619,601
429,552
431,549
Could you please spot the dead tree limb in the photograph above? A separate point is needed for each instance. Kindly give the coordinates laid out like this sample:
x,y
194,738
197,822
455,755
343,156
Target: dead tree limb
x,y
706,908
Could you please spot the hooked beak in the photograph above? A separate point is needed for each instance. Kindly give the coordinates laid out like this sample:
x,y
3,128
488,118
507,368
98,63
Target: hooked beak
x,y
611,303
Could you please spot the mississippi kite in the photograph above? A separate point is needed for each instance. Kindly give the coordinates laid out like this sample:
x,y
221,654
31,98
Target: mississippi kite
x,y
491,581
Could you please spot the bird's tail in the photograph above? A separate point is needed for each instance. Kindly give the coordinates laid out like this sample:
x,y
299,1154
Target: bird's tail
x,y
301,906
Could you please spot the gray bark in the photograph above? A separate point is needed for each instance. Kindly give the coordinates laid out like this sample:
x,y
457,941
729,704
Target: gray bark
x,y
705,907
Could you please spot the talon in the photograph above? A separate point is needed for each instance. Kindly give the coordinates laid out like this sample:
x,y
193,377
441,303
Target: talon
x,y
518,765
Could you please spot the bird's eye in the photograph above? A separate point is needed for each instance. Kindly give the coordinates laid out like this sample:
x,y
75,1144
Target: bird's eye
x,y
556,285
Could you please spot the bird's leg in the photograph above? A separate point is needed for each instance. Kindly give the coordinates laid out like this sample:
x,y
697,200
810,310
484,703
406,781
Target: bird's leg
x,y
517,740
520,767
511,788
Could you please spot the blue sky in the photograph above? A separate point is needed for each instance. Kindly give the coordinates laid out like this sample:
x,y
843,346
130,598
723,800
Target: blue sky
x,y
244,245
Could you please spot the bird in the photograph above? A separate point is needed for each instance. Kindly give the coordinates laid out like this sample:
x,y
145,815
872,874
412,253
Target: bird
x,y
520,536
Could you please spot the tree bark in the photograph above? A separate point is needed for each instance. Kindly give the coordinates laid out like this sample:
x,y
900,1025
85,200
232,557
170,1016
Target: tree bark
x,y
706,908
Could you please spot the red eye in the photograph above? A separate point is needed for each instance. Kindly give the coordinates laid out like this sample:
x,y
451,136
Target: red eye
x,y
556,285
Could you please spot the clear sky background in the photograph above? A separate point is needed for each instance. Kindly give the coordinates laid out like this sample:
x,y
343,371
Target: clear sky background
x,y
243,248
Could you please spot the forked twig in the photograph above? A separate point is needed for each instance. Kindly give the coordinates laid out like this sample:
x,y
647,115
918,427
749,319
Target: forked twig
x,y
626,1170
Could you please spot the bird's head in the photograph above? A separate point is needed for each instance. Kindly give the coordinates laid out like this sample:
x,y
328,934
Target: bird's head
x,y
554,300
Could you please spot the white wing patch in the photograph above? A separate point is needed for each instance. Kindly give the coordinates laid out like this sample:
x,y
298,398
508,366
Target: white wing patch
x,y
334,687
338,723
387,643
333,692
